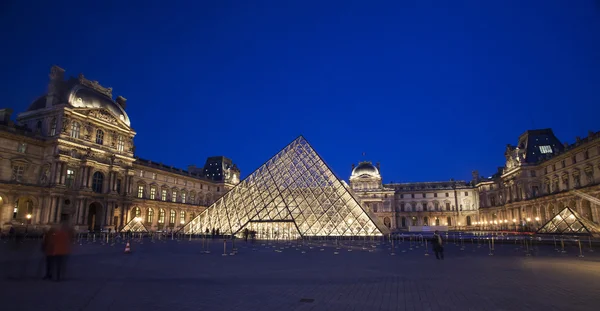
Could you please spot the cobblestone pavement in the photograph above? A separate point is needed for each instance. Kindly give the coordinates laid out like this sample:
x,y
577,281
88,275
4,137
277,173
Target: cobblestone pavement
x,y
177,275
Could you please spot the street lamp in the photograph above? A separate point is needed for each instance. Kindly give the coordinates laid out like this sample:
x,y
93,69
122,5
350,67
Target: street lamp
x,y
138,219
28,222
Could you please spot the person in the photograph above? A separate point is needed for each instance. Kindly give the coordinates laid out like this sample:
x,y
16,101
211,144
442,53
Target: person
x,y
438,246
48,249
61,241
246,233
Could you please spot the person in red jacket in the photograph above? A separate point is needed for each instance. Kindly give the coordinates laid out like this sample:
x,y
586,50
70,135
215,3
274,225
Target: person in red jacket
x,y
57,247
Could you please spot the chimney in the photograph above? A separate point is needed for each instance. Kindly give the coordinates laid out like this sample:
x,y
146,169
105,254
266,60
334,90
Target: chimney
x,y
5,115
378,166
56,78
122,101
475,175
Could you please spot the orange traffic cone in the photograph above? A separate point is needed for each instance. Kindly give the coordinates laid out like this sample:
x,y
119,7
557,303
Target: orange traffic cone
x,y
127,248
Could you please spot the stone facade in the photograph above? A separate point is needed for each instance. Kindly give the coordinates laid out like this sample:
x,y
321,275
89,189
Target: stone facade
x,y
70,157
400,205
541,177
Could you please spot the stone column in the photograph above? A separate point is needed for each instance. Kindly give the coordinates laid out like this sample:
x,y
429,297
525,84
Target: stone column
x,y
90,176
57,171
58,209
83,177
50,212
85,211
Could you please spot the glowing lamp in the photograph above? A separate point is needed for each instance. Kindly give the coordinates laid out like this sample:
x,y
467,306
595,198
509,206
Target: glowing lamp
x,y
28,216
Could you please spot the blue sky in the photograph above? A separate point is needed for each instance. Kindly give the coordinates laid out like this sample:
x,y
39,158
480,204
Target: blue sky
x,y
431,89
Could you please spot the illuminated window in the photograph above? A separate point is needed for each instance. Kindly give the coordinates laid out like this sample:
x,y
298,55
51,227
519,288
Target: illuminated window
x,y
17,172
75,128
137,212
152,193
99,137
161,216
150,217
22,147
70,178
172,217
120,143
545,149
163,195
182,217
174,196
140,191
183,197
53,127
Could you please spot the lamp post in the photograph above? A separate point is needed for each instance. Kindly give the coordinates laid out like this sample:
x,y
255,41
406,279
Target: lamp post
x,y
537,223
28,222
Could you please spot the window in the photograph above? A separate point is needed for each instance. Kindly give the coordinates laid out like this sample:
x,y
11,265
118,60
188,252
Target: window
x,y
436,206
163,195
75,128
183,197
174,196
137,212
447,194
545,149
172,217
99,137
140,191
586,155
447,206
218,189
22,147
424,195
161,216
154,176
402,196
141,173
119,185
53,127
70,178
532,173
39,125
562,163
152,193
574,159
435,195
402,207
150,217
182,217
17,172
466,194
97,180
120,143
412,195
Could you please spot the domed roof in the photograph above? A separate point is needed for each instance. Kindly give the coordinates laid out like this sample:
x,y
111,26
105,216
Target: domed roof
x,y
365,169
83,97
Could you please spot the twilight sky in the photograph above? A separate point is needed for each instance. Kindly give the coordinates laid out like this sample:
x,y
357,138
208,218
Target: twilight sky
x,y
431,89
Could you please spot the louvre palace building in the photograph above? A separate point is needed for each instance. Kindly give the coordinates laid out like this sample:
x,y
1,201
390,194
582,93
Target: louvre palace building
x,y
70,157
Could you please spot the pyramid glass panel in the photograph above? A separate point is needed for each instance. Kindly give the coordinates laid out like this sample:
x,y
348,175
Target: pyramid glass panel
x,y
134,225
569,221
293,194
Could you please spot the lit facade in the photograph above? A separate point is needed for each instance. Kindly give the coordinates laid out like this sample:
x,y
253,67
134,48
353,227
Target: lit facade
x,y
70,156
452,204
540,178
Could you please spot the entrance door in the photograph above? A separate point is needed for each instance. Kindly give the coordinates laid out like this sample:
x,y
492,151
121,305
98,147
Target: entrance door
x,y
273,230
94,217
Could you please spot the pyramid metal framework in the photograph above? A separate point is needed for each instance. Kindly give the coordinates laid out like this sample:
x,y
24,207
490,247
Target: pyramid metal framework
x,y
569,221
134,226
295,186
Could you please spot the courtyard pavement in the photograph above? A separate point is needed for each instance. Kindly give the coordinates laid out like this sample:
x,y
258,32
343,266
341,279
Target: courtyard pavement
x,y
178,275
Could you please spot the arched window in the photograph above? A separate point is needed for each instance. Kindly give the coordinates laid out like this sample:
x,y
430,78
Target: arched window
x,y
161,216
150,217
97,181
39,125
182,217
75,128
53,127
99,137
172,217
120,143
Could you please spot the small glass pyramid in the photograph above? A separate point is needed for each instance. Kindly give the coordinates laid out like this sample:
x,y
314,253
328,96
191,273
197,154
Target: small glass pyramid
x,y
293,194
134,225
569,221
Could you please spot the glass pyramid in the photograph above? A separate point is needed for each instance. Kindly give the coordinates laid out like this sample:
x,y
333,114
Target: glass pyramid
x,y
293,194
134,225
569,221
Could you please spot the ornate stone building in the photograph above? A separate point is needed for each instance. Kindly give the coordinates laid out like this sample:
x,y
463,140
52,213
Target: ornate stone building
x,y
70,156
541,177
421,204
